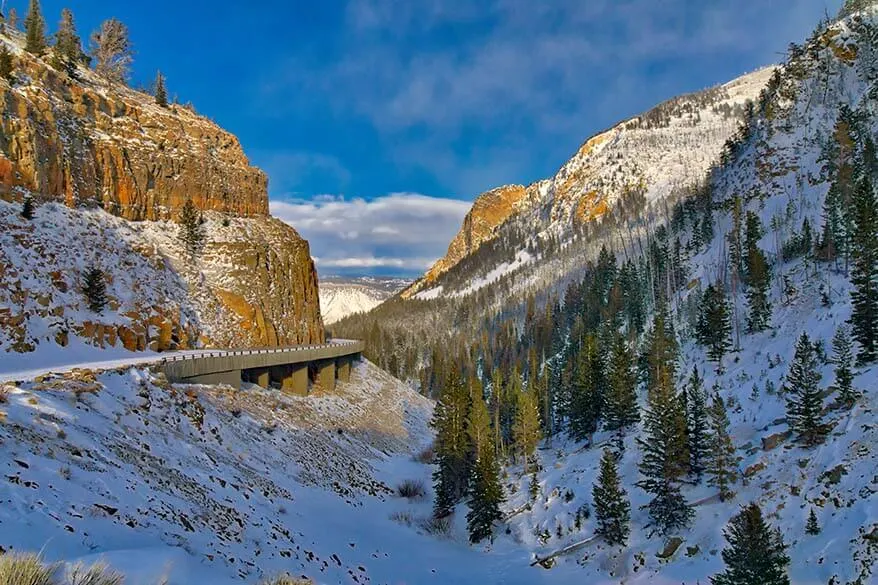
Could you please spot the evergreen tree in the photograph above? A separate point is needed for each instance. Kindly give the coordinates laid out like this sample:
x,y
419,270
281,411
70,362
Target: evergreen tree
x,y
588,390
12,18
35,29
68,46
722,463
697,424
191,232
842,357
805,399
665,457
758,277
485,489
714,328
812,527
7,64
661,352
864,277
621,403
161,93
451,446
756,554
526,429
612,509
27,208
94,287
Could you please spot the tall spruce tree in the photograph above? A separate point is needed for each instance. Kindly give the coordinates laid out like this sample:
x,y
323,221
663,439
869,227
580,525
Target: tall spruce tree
x,y
611,505
697,424
714,323
35,29
526,429
191,232
665,457
588,390
94,287
486,493
864,276
804,396
756,554
452,445
27,208
812,527
68,45
161,92
722,463
661,352
842,357
758,277
621,403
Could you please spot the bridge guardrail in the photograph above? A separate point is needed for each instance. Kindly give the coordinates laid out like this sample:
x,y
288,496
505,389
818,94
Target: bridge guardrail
x,y
178,358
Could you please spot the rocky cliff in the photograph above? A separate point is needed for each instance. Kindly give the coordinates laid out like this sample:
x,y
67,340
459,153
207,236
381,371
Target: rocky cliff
x,y
109,171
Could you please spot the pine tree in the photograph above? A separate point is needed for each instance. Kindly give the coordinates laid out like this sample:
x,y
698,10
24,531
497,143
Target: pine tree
x,y
161,93
756,554
612,509
722,463
35,29
27,208
714,323
451,446
621,403
94,287
661,352
12,19
864,277
758,277
697,424
191,232
812,527
665,457
68,46
486,492
842,357
7,64
588,390
526,429
805,399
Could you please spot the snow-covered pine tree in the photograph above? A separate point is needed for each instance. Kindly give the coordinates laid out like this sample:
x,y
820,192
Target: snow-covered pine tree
x,y
27,208
526,430
94,287
714,323
621,408
665,457
191,231
722,463
804,396
451,446
697,424
758,276
35,29
486,493
756,554
842,357
611,505
812,527
864,276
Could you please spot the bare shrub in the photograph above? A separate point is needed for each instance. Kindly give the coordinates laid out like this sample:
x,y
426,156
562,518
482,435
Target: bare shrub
x,y
285,580
404,517
26,569
411,489
436,526
96,574
427,456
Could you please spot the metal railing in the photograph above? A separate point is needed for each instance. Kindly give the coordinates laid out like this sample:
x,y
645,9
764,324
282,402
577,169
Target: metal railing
x,y
223,353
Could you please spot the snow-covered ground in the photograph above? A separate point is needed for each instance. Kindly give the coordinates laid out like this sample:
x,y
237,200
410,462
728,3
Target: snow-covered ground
x,y
340,297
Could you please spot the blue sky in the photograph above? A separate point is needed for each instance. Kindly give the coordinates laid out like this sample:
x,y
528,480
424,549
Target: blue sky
x,y
378,121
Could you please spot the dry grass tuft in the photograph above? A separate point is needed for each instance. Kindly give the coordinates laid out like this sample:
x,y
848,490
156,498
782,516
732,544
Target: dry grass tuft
x,y
412,489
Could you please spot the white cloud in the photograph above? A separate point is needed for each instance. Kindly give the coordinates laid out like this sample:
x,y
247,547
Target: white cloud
x,y
401,231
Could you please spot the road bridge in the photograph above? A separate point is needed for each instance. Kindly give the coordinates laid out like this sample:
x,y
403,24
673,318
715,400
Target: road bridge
x,y
292,369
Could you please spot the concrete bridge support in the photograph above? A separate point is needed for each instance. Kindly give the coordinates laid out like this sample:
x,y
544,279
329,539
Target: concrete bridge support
x,y
343,368
292,378
326,375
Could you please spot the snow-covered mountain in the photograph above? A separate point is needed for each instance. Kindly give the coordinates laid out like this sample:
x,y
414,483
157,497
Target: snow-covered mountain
x,y
340,296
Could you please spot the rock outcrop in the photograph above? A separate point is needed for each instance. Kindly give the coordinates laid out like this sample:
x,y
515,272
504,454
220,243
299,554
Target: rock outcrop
x,y
103,150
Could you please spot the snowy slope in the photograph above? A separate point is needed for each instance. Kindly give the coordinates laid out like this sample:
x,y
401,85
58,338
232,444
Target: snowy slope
x,y
340,297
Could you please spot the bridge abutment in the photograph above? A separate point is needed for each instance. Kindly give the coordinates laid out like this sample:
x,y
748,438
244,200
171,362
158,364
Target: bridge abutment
x,y
326,375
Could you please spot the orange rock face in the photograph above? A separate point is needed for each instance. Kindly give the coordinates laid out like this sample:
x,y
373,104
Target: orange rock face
x,y
86,143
